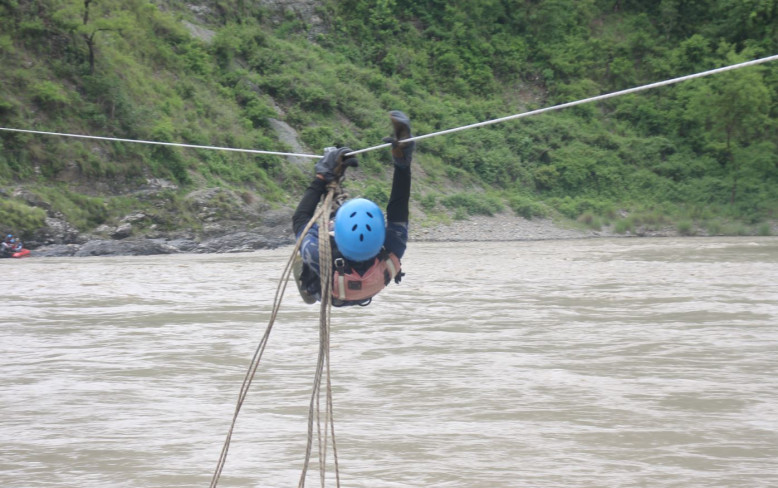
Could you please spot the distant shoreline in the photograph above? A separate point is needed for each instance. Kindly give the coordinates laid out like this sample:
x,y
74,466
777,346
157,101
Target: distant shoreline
x,y
501,227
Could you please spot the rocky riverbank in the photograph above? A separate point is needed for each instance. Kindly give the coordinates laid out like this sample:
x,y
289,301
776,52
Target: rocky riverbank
x,y
276,232
237,242
479,228
501,227
240,241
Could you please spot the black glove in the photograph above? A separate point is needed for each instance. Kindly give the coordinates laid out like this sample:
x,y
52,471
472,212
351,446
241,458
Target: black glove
x,y
334,163
402,153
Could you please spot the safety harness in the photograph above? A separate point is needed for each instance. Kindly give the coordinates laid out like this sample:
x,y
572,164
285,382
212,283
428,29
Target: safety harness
x,y
352,286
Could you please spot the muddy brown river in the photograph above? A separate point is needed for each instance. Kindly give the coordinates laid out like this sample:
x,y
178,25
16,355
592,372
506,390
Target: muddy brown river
x,y
574,363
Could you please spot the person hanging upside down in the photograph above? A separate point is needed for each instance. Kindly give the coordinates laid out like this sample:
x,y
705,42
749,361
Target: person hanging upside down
x,y
366,250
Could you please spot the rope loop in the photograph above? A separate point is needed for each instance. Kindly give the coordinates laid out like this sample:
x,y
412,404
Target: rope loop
x,y
339,197
335,195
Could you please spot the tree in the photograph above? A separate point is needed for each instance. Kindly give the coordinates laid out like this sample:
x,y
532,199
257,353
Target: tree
x,y
734,108
87,18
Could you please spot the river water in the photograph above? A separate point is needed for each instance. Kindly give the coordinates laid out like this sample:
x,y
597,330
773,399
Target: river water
x,y
577,363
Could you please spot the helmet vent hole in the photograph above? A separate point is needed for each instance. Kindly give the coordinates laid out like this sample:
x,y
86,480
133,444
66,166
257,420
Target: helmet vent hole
x,y
352,214
368,227
354,227
361,237
369,214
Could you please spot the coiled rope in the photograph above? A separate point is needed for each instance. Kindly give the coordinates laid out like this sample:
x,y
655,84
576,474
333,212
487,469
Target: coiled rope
x,y
332,200
323,364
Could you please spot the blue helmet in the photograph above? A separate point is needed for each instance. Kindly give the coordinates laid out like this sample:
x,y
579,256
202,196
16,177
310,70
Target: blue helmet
x,y
359,229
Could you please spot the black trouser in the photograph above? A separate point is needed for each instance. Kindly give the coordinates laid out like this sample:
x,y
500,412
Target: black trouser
x,y
397,208
307,206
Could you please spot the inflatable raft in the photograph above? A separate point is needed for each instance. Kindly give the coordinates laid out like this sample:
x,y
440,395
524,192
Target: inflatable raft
x,y
18,254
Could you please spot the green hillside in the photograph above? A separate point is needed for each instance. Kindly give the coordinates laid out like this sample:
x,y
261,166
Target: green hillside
x,y
700,154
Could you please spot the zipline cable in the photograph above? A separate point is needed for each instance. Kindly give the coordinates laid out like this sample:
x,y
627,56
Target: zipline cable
x,y
176,144
433,134
577,102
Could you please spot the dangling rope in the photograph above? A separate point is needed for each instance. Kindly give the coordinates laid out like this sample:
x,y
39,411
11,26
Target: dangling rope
x,y
333,198
323,365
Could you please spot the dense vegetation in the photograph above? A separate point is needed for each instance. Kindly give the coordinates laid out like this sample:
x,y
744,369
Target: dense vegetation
x,y
701,153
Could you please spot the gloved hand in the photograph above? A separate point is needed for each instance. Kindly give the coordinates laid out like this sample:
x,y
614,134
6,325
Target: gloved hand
x,y
402,153
334,163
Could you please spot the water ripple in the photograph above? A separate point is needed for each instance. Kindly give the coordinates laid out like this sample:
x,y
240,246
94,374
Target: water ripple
x,y
556,364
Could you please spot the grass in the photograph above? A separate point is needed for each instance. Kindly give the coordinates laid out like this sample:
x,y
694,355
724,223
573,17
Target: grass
x,y
590,220
623,226
527,207
155,82
81,211
18,218
464,204
685,228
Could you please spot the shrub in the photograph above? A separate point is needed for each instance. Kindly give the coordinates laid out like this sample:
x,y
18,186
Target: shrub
x,y
713,228
428,202
315,98
81,211
546,177
473,204
377,193
6,44
623,226
6,107
49,95
258,112
318,137
527,208
574,207
19,218
736,229
651,218
590,220
685,228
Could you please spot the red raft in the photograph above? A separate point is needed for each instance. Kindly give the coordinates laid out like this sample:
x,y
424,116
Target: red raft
x,y
18,254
